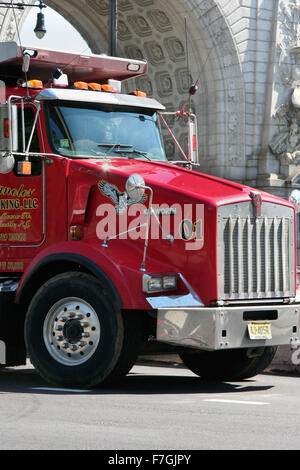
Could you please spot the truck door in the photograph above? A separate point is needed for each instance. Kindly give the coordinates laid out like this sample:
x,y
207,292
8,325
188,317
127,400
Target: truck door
x,y
22,198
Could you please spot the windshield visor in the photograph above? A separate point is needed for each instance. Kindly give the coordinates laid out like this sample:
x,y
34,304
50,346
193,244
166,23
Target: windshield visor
x,y
107,132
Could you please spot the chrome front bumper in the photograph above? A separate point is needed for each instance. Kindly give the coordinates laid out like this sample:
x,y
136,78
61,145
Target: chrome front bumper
x,y
227,328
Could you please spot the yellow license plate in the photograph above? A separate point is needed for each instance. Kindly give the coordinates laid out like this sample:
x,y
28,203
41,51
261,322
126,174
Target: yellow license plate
x,y
260,330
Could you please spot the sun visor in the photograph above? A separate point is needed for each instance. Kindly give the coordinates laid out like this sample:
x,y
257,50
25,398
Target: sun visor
x,y
87,96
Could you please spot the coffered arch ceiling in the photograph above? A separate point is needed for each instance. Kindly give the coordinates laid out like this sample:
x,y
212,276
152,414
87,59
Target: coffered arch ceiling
x,y
155,30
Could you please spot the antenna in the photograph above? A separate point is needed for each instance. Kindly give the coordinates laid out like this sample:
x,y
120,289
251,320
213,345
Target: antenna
x,y
193,88
186,46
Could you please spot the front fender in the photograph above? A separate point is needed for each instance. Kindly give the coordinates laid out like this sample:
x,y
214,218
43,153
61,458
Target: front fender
x,y
106,264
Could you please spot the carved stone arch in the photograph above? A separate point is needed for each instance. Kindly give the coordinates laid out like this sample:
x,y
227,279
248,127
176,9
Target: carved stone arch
x,y
155,30
8,20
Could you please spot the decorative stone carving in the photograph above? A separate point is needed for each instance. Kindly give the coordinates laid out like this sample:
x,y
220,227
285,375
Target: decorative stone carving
x,y
124,5
183,80
164,84
144,3
286,141
8,26
160,20
101,5
123,31
175,49
140,25
133,52
290,43
154,52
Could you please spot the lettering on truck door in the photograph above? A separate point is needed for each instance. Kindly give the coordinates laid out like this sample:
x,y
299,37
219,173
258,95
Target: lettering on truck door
x,y
21,196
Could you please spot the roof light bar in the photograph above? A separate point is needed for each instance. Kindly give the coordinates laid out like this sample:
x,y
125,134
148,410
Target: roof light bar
x,y
95,86
108,88
141,94
81,85
33,84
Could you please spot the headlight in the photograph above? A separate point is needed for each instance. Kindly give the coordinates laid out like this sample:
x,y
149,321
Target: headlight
x,y
159,283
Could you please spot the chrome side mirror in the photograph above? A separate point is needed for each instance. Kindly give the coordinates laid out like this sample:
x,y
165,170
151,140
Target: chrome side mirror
x,y
7,162
135,187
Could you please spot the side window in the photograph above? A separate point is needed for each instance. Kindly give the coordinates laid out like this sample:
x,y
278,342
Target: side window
x,y
60,137
36,162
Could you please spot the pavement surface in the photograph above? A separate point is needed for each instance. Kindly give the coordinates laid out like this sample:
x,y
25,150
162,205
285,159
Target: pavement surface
x,y
156,407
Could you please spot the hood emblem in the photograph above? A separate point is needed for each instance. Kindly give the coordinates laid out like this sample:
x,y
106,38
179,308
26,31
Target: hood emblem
x,y
119,198
257,202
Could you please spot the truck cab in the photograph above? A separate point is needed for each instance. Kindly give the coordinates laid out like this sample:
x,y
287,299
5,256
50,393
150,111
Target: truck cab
x,y
108,250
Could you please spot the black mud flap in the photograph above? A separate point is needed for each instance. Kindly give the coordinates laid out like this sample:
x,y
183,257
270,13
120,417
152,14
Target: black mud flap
x,y
12,344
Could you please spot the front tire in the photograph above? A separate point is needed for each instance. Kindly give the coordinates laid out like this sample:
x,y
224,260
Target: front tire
x,y
229,365
74,334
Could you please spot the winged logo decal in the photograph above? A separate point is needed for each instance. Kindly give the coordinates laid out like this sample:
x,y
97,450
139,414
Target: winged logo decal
x,y
119,198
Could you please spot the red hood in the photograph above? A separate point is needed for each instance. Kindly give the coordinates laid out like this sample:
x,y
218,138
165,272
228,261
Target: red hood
x,y
209,189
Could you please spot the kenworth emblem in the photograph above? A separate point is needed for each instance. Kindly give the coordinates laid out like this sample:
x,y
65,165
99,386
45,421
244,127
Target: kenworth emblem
x,y
257,202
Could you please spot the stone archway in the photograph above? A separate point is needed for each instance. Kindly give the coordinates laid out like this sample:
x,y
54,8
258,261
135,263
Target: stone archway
x,y
155,30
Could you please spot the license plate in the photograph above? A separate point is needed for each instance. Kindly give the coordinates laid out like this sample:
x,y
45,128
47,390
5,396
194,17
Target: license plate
x,y
260,330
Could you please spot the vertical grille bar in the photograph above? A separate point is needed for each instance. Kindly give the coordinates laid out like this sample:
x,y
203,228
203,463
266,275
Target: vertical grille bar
x,y
266,257
275,264
231,260
249,256
239,254
258,255
284,257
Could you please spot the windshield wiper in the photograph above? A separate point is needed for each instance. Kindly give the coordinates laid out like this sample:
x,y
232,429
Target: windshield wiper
x,y
113,146
134,152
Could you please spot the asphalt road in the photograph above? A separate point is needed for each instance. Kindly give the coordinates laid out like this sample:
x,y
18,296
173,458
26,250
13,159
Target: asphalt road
x,y
155,408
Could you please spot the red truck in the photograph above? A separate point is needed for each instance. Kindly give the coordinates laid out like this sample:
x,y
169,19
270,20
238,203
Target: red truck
x,y
110,251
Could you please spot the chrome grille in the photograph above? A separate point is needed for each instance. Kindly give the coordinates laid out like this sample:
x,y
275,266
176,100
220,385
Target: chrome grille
x,y
255,254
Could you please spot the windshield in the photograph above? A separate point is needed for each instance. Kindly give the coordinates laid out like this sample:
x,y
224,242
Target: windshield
x,y
105,132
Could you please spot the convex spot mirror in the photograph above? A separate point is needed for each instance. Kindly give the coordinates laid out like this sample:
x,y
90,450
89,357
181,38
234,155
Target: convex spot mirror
x,y
135,187
7,163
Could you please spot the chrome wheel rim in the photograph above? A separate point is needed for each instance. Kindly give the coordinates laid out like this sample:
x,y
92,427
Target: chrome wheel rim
x,y
71,331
